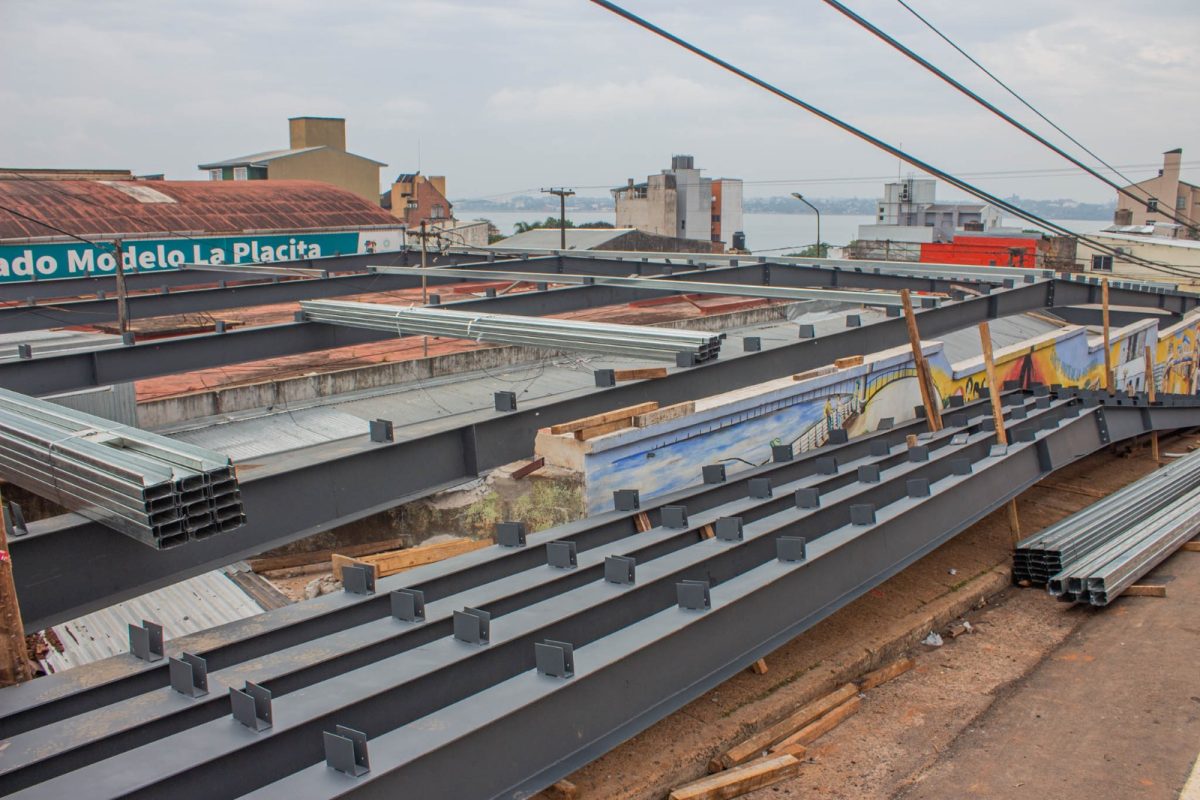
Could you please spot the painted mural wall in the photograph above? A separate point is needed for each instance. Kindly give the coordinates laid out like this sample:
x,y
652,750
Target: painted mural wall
x,y
739,428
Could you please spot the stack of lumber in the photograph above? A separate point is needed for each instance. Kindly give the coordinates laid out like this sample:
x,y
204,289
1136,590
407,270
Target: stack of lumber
x,y
635,416
392,561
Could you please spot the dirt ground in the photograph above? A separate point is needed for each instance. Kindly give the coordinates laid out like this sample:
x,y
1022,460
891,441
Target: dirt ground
x,y
907,730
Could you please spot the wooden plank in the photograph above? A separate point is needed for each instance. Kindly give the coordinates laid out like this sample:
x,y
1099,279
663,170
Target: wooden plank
x,y
814,373
707,532
847,362
293,560
932,413
643,374
736,782
885,674
14,660
759,667
528,469
754,745
600,419
642,522
390,563
815,730
1145,590
989,364
1191,547
1108,367
1151,395
665,414
599,430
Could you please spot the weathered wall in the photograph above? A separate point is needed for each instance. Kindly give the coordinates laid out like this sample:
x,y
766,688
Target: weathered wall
x,y
355,173
738,428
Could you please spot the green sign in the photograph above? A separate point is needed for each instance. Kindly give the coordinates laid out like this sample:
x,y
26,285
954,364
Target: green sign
x,y
20,263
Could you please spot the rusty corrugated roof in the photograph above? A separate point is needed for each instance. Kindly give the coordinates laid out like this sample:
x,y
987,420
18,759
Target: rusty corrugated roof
x,y
109,208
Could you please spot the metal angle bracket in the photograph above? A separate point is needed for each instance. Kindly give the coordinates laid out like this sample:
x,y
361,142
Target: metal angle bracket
x,y
189,674
674,517
251,706
473,626
693,595
808,497
555,659
918,487
862,514
620,569
886,424
561,555
382,430
605,378
408,605
960,438
960,466
759,488
728,529
146,640
358,578
791,548
506,401
919,452
782,452
880,447
346,751
713,473
511,534
838,436
868,473
626,500
827,465
14,520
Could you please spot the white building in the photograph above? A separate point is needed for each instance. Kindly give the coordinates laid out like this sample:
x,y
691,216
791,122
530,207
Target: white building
x,y
909,212
680,203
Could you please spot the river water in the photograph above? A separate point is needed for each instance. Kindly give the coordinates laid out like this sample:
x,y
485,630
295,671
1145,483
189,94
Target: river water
x,y
776,233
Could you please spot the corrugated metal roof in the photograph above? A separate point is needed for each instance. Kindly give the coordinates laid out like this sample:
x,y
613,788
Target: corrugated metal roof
x,y
258,159
95,208
550,238
193,605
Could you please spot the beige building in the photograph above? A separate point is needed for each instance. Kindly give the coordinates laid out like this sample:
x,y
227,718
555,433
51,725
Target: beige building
x,y
316,152
1179,198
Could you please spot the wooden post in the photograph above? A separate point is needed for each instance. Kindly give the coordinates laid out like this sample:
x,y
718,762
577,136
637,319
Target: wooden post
x,y
1108,368
1152,394
424,287
989,365
14,661
122,302
932,412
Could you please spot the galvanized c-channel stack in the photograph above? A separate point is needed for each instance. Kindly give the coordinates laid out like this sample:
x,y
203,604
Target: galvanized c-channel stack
x,y
638,341
153,489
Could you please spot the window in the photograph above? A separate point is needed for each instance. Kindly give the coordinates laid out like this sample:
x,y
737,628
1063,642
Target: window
x,y
214,174
240,173
1181,202
1102,263
439,211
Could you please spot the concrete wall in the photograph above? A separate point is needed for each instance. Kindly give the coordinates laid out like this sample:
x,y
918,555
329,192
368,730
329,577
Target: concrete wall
x,y
1172,252
317,132
355,173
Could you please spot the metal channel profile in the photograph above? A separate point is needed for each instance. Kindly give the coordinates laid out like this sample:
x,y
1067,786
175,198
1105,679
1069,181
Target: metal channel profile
x,y
153,489
435,692
638,341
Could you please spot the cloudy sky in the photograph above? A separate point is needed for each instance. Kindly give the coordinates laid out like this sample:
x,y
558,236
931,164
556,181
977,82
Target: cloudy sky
x,y
507,96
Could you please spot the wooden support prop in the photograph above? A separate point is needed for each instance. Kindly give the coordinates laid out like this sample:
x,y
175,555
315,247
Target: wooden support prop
x,y
932,412
395,561
736,782
847,362
753,746
910,440
1145,590
885,674
1152,395
599,430
644,374
294,560
642,522
665,414
1108,367
815,730
14,660
563,790
707,532
814,373
1191,547
759,667
528,469
989,365
600,419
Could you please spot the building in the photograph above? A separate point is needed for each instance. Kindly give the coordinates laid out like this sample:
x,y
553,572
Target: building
x,y
166,224
681,204
1140,257
909,212
618,239
316,152
417,198
1166,191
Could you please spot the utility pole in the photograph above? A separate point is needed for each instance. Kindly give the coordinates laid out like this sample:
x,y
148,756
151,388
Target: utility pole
x,y
562,194
122,305
817,211
424,284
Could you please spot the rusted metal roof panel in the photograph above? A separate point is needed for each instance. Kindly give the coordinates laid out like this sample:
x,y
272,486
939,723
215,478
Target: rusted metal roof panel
x,y
111,208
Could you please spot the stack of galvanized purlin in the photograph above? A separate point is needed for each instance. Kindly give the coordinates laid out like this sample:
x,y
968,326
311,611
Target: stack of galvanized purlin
x,y
159,491
638,341
1094,555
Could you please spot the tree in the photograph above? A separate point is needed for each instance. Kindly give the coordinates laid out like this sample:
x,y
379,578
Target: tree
x,y
813,251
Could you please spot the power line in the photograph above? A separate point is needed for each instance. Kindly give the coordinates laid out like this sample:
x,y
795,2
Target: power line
x,y
885,37
45,224
875,141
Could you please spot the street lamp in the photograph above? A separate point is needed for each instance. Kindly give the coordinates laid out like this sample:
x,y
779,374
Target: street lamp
x,y
800,197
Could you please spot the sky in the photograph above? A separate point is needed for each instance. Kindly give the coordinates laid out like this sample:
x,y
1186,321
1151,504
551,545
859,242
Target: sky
x,y
507,97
